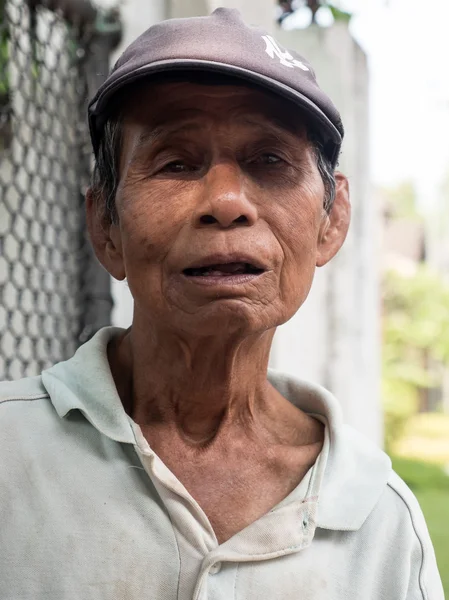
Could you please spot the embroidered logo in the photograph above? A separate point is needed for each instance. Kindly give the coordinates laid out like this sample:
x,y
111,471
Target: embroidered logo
x,y
285,58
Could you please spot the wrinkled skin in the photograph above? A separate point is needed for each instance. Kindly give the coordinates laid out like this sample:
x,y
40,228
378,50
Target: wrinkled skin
x,y
206,171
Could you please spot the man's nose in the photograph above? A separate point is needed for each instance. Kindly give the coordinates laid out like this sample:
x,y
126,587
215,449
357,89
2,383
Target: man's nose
x,y
224,201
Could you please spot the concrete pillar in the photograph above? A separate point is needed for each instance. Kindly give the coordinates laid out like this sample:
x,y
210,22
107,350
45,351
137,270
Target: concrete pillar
x,y
257,12
254,12
178,9
335,337
137,16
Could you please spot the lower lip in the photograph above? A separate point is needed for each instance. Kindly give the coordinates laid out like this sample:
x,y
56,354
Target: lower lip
x,y
223,280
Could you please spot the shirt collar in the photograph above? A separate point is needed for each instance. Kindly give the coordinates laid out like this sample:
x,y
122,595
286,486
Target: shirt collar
x,y
355,472
85,382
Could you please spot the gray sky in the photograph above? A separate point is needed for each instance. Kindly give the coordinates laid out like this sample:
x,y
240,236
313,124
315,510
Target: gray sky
x,y
408,47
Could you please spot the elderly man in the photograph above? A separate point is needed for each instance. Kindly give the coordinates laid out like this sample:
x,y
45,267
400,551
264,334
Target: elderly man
x,y
163,462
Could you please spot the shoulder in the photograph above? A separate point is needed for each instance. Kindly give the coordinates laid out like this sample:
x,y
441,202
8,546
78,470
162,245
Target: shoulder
x,y
399,495
383,519
398,523
429,579
395,524
28,389
25,408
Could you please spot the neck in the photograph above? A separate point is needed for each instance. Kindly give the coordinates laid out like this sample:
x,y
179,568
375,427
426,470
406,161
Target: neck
x,y
196,386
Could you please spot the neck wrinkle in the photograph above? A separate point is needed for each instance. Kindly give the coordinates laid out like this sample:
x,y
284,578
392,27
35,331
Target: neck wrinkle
x,y
196,387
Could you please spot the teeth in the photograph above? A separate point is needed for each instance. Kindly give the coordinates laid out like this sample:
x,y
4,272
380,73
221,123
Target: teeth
x,y
231,268
223,270
199,272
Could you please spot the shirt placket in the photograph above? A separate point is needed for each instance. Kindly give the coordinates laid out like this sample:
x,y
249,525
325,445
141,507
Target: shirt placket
x,y
287,529
194,534
283,531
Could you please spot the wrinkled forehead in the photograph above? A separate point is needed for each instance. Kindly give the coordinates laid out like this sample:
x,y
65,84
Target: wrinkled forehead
x,y
164,104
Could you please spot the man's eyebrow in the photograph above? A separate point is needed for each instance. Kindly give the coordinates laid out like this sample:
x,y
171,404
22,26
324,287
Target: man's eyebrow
x,y
166,128
271,127
272,124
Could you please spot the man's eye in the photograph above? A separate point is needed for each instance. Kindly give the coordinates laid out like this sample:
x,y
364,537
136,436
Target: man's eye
x,y
267,159
176,166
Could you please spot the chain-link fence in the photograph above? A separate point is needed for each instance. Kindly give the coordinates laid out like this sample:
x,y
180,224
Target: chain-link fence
x,y
52,293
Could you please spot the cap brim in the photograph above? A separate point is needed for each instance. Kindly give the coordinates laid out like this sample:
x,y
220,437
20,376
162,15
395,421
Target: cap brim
x,y
98,108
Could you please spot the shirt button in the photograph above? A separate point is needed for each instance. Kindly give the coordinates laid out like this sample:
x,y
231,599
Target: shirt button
x,y
215,568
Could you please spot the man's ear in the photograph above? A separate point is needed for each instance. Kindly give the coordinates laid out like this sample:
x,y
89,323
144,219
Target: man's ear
x,y
105,237
335,225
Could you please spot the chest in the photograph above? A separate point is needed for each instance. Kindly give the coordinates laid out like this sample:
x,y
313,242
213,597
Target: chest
x,y
95,527
236,492
130,549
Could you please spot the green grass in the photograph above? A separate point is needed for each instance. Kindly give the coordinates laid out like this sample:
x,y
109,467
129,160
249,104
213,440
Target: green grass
x,y
419,475
435,506
431,486
426,438
429,425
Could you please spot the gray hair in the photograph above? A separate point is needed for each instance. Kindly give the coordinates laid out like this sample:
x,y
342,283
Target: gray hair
x,y
105,178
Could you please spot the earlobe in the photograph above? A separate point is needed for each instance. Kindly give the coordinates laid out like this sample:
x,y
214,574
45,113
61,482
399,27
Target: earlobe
x,y
324,227
335,225
115,264
105,238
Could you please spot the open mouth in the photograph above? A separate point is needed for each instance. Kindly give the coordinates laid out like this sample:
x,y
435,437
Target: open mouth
x,y
231,269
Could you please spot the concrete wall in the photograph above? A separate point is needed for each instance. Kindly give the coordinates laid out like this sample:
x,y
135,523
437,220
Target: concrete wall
x,y
257,12
335,337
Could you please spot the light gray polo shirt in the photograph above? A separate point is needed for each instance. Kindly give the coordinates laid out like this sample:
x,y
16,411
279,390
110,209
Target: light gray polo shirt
x,y
89,511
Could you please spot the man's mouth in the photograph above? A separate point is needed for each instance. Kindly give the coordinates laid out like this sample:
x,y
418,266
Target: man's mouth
x,y
226,270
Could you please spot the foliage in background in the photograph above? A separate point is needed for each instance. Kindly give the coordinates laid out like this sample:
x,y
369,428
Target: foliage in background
x,y
402,201
419,475
290,6
337,13
415,342
426,438
4,37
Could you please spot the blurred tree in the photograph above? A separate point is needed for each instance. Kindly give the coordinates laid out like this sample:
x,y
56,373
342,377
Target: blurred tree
x,y
415,342
4,36
440,214
338,14
402,202
5,125
289,6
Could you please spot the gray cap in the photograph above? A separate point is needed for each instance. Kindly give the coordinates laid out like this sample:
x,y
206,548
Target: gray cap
x,y
220,44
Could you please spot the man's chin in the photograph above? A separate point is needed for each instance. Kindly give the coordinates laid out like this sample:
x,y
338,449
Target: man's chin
x,y
224,317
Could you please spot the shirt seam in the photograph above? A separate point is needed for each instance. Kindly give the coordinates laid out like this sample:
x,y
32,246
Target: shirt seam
x,y
24,398
422,587
178,587
235,581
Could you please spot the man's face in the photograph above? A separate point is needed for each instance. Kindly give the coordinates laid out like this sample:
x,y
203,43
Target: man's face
x,y
220,209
